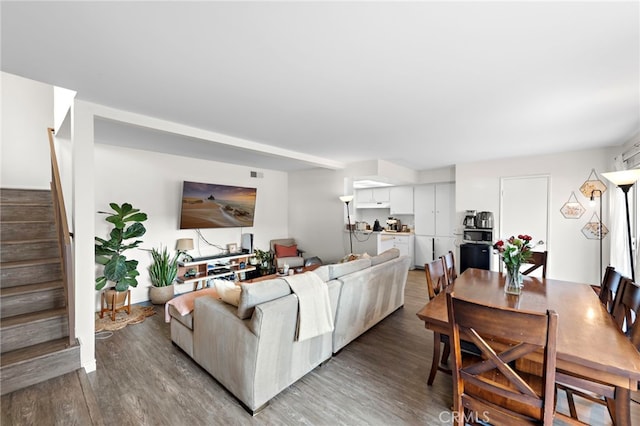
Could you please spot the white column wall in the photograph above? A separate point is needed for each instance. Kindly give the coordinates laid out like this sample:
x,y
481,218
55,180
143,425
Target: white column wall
x,y
316,214
83,226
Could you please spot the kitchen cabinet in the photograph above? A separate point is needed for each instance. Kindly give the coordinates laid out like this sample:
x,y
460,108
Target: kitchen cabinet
x,y
424,209
372,198
430,248
401,200
445,201
423,250
434,221
403,242
434,209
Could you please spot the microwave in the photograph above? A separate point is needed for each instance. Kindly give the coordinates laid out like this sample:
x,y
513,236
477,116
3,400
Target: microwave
x,y
478,236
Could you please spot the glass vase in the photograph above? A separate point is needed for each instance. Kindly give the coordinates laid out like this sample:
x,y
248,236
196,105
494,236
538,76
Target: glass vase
x,y
513,281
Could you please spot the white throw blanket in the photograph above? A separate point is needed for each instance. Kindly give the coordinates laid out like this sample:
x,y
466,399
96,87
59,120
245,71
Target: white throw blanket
x,y
314,306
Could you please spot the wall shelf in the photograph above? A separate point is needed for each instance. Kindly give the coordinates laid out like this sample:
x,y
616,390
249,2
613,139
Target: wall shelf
x,y
220,266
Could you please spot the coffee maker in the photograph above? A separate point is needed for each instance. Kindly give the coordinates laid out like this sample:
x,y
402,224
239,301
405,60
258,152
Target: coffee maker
x,y
470,219
393,224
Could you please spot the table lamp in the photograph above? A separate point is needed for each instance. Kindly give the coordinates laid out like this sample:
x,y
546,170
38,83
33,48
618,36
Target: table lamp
x,y
625,179
346,199
182,246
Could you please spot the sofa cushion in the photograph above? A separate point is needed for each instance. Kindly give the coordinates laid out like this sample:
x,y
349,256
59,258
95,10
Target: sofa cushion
x,y
322,272
385,256
339,269
228,291
260,292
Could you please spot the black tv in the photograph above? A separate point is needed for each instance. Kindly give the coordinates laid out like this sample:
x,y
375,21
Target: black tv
x,y
207,205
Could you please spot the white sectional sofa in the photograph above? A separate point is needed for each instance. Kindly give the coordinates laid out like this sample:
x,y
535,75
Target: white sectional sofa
x,y
251,349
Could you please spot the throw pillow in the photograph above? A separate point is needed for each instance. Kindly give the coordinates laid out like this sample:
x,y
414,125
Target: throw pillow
x,y
286,251
228,291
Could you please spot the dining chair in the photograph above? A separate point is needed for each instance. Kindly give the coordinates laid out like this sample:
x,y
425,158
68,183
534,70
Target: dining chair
x,y
450,266
490,388
436,282
608,290
539,260
625,311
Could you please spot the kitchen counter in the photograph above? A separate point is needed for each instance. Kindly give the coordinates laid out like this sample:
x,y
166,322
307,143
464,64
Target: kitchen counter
x,y
397,232
368,231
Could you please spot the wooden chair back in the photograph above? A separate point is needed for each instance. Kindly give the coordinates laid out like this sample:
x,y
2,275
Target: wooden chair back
x,y
490,386
627,309
450,267
436,277
610,288
539,260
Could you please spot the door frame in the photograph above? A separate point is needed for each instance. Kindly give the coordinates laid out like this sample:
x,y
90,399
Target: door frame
x,y
547,176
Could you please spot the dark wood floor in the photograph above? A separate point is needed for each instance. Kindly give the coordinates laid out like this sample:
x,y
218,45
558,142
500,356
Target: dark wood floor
x,y
142,379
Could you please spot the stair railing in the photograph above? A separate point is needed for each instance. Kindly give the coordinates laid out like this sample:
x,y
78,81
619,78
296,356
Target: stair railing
x,y
64,239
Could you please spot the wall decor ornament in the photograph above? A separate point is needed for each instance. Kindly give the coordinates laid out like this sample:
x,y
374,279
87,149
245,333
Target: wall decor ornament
x,y
593,184
572,209
595,229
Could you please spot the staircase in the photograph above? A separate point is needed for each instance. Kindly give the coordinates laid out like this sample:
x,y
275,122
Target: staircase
x,y
34,322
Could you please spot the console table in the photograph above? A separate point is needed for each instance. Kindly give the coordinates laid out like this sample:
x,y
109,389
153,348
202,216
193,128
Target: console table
x,y
292,270
214,267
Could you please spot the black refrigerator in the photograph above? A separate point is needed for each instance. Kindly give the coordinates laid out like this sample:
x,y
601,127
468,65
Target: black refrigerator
x,y
474,255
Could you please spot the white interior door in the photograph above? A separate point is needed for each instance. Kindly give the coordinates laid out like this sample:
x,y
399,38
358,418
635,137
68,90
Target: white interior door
x,y
524,208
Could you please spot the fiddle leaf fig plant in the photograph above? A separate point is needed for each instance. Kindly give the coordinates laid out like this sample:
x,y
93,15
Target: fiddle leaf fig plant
x,y
117,268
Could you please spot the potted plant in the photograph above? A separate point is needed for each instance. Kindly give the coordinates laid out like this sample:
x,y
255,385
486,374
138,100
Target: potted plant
x,y
162,272
119,270
265,261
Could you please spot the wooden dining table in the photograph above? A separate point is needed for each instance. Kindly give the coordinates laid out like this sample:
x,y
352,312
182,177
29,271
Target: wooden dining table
x,y
589,343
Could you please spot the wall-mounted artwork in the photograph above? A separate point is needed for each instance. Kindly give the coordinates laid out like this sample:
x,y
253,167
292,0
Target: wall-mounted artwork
x,y
593,186
208,205
572,209
595,229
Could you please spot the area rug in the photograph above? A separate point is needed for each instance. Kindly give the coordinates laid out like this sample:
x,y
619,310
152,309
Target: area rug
x,y
138,314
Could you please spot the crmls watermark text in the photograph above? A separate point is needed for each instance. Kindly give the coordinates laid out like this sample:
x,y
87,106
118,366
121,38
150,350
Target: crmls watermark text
x,y
469,416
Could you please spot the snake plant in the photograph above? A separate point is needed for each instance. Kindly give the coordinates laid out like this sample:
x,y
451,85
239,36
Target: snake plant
x,y
164,269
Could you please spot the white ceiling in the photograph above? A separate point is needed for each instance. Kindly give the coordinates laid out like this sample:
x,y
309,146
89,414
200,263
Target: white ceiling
x,y
420,84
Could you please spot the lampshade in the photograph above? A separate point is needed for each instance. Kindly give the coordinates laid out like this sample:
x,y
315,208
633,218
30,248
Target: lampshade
x,y
623,177
346,198
184,244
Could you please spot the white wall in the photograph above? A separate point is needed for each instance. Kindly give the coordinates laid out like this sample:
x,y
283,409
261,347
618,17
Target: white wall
x,y
27,112
316,214
152,182
571,256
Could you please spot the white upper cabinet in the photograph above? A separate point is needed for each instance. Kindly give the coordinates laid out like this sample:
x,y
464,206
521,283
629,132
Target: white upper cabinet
x,y
445,209
372,198
424,209
434,209
401,199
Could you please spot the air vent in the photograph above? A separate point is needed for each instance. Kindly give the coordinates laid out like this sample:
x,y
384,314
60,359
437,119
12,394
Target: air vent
x,y
254,174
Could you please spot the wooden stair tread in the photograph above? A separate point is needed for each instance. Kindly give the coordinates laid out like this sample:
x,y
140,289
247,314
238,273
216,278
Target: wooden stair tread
x,y
32,241
30,222
31,288
20,320
26,203
34,262
34,351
